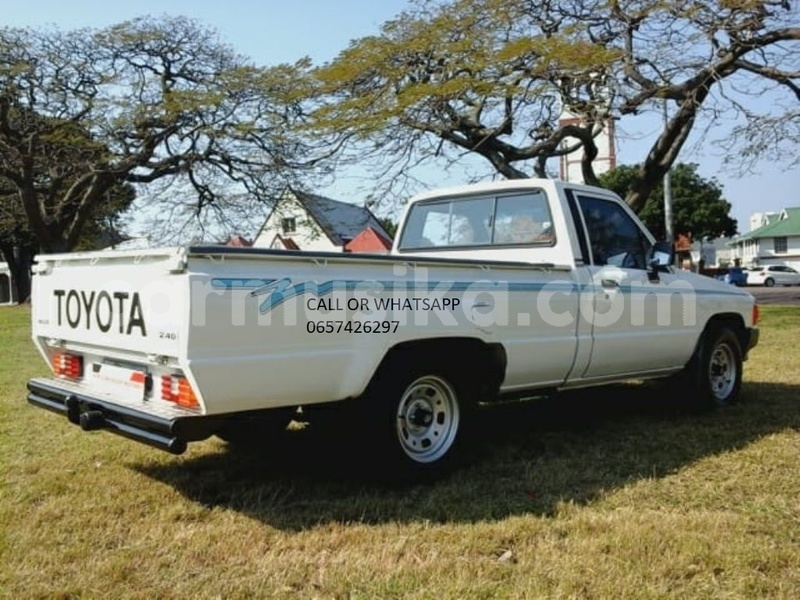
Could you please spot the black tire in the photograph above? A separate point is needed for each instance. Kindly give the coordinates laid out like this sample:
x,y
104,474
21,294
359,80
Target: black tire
x,y
769,282
714,375
259,430
417,417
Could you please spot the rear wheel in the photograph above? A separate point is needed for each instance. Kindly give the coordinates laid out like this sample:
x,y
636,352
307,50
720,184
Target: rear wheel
x,y
427,419
417,418
769,282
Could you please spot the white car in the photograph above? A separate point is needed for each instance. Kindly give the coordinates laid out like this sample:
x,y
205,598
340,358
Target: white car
x,y
772,275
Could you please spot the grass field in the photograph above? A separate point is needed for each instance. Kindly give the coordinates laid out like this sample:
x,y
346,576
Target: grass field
x,y
603,494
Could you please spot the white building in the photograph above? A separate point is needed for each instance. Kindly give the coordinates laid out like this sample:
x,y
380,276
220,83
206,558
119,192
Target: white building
x,y
303,221
713,253
570,164
776,242
6,290
760,219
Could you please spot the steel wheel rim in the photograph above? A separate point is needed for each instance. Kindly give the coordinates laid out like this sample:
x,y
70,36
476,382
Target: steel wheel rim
x,y
427,419
722,371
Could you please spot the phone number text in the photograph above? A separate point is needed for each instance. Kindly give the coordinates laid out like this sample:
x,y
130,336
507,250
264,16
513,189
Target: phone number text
x,y
352,326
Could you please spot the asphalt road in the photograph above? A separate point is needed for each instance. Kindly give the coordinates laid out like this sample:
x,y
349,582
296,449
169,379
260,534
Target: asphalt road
x,y
776,295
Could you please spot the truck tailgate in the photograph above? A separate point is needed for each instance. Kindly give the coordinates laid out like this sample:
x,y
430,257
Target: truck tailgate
x,y
126,301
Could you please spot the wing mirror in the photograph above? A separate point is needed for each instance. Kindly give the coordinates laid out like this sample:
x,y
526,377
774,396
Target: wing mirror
x,y
661,256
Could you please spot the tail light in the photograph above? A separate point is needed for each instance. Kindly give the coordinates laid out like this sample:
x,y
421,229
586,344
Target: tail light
x,y
186,395
68,365
167,393
177,389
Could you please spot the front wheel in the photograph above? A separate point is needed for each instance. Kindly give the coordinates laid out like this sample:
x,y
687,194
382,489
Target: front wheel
x,y
716,370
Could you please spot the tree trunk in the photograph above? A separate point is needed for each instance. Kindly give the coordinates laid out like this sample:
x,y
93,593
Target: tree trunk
x,y
665,151
23,274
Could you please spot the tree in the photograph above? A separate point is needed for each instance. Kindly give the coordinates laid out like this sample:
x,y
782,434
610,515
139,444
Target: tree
x,y
699,209
465,77
490,78
389,224
85,112
765,138
18,244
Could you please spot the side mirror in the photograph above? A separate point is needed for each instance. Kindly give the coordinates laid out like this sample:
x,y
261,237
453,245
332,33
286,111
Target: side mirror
x,y
661,255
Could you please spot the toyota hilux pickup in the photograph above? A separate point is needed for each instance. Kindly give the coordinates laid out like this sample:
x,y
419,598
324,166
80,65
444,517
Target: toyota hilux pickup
x,y
491,291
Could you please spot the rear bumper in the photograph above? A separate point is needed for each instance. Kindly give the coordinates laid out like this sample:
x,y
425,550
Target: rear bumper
x,y
92,414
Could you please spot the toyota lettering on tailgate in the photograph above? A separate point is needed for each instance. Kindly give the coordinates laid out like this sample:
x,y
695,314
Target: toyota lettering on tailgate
x,y
101,310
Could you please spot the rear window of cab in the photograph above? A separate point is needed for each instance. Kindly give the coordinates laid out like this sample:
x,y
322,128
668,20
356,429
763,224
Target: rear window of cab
x,y
515,219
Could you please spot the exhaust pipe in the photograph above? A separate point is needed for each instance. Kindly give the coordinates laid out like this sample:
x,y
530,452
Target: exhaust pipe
x,y
92,420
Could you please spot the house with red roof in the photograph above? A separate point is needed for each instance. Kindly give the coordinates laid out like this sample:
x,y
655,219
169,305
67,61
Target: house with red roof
x,y
304,221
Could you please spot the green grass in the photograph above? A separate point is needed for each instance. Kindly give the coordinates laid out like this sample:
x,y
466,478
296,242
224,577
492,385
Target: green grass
x,y
604,494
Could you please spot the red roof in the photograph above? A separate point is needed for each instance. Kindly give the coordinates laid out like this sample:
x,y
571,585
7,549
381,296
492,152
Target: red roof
x,y
368,240
285,242
238,241
683,243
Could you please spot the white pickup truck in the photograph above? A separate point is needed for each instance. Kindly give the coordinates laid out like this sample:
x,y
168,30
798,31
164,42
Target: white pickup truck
x,y
491,291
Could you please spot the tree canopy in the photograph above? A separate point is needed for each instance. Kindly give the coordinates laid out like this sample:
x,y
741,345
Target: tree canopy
x,y
698,206
491,78
85,112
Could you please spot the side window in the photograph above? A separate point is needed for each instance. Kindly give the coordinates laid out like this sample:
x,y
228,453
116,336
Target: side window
x,y
523,219
615,239
442,224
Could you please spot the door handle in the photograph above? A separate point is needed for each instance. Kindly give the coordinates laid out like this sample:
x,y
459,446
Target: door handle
x,y
609,284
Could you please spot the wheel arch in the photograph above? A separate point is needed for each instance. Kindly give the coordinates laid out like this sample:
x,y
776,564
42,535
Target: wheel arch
x,y
485,361
732,320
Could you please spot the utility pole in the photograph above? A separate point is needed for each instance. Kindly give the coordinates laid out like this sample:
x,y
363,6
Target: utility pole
x,y
668,192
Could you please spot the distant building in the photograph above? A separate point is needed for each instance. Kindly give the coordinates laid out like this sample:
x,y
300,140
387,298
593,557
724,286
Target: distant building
x,y
303,221
237,241
6,289
759,219
776,242
369,240
570,164
715,253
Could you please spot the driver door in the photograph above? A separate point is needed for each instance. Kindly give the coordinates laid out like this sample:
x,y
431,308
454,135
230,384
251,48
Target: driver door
x,y
637,320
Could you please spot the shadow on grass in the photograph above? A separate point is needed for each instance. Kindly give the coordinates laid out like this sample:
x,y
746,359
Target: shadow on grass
x,y
529,458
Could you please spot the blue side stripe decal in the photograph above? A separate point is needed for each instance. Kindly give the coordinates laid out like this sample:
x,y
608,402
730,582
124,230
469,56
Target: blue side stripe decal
x,y
278,291
281,290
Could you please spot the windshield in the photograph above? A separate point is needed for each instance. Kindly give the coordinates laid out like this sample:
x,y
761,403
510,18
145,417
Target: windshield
x,y
509,220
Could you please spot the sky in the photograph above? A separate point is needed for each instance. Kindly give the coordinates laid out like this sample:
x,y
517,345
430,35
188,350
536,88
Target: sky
x,y
278,31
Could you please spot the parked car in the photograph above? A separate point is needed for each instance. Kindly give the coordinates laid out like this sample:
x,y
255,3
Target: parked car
x,y
735,276
773,275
